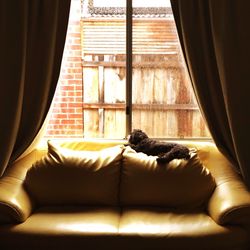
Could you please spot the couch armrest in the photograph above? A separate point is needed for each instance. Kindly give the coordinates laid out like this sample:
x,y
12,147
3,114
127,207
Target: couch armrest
x,y
15,203
230,203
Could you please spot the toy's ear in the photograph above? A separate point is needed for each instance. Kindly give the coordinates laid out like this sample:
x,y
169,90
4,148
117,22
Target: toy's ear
x,y
136,130
130,138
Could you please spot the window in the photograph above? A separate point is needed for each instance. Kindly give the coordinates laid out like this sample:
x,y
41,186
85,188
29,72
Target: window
x,y
114,79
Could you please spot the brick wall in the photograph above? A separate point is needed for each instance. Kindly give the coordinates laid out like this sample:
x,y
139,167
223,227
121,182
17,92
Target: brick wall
x,y
66,118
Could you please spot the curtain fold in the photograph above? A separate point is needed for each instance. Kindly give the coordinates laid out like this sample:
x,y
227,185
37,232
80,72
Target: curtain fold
x,y
31,47
215,38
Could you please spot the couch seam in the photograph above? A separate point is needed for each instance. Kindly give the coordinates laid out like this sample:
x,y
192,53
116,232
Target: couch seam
x,y
226,213
19,215
119,180
119,191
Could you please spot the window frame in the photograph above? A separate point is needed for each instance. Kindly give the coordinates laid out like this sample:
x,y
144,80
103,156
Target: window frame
x,y
97,11
130,13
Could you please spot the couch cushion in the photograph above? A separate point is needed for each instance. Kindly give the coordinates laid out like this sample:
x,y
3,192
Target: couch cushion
x,y
176,229
66,176
63,227
181,183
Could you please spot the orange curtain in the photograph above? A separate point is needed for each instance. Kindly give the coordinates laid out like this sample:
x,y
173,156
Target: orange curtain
x,y
215,39
31,47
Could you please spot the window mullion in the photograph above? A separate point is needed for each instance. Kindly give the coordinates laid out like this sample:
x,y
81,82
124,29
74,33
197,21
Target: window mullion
x,y
129,54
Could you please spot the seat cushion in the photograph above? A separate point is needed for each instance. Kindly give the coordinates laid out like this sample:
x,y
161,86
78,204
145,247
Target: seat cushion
x,y
71,177
180,183
176,229
65,227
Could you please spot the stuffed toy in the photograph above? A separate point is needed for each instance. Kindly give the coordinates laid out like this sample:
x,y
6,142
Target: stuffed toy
x,y
166,152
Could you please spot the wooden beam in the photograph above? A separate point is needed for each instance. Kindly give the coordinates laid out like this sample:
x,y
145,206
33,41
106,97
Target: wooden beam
x,y
168,64
163,107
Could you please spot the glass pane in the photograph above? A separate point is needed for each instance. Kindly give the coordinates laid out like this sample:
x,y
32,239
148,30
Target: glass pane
x,y
163,100
104,77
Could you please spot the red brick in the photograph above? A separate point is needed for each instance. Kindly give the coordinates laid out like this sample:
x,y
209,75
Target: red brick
x,y
75,105
67,99
54,121
55,110
73,59
60,116
66,88
49,132
75,47
74,70
67,121
74,34
78,64
74,82
68,64
62,82
68,110
64,76
78,93
75,116
78,88
53,132
78,76
76,41
78,99
61,105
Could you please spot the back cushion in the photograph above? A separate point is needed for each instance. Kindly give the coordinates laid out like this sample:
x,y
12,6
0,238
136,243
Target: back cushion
x,y
66,176
180,183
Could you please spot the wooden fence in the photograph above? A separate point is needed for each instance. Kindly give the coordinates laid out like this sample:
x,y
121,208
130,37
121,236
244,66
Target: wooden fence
x,y
163,102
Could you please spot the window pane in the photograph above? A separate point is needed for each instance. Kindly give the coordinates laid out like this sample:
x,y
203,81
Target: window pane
x,y
90,96
163,100
104,79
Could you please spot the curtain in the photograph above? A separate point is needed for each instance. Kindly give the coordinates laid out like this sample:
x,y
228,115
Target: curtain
x,y
215,39
31,46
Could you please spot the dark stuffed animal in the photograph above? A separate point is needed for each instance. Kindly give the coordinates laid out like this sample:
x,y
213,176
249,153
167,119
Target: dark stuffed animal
x,y
166,152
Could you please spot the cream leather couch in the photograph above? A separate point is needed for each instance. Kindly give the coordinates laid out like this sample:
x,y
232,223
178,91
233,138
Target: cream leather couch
x,y
114,198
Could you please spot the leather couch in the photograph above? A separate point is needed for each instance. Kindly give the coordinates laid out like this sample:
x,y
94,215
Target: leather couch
x,y
102,195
